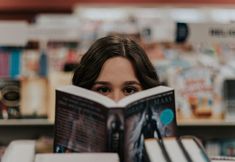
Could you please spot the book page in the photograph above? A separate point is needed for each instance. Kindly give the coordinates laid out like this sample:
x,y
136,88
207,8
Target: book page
x,y
19,151
88,94
154,151
76,157
142,94
94,96
174,151
194,151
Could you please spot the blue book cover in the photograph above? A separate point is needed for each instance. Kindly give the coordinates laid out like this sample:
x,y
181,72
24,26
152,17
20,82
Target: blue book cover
x,y
43,64
15,63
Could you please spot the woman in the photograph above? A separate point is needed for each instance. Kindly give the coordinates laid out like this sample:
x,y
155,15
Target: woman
x,y
115,67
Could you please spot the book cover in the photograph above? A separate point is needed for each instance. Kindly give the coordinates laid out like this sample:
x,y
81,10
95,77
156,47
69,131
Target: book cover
x,y
30,63
34,97
89,122
196,96
10,98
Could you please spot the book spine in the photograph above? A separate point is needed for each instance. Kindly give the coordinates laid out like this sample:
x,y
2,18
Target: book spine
x,y
15,63
4,64
43,64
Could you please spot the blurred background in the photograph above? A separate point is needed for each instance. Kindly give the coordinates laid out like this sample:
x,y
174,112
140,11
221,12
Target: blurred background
x,y
190,43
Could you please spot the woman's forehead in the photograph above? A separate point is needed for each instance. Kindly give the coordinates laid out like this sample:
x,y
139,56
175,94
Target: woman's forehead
x,y
118,68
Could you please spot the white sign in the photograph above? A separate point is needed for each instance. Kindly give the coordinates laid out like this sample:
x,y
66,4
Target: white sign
x,y
13,33
53,33
210,33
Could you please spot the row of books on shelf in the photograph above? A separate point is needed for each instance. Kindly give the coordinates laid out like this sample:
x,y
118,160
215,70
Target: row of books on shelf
x,y
30,98
198,96
183,149
89,122
197,74
201,92
33,61
80,27
222,147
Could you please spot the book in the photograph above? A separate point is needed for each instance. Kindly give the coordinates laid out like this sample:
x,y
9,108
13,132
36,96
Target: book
x,y
221,147
10,98
20,151
86,121
30,63
34,105
15,62
196,93
75,157
4,64
223,159
56,79
182,149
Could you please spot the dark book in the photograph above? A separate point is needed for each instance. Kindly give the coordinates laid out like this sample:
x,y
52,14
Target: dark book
x,y
10,98
86,121
171,149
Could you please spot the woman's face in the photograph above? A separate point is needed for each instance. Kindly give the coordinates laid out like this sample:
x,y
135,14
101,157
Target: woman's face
x,y
117,79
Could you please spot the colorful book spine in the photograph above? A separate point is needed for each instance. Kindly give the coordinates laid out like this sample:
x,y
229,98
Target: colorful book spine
x,y
43,64
4,64
15,63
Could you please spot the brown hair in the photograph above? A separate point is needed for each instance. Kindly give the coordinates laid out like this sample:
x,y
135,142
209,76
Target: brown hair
x,y
112,46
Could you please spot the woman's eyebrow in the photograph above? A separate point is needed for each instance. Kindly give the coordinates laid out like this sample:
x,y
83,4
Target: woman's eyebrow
x,y
102,82
131,82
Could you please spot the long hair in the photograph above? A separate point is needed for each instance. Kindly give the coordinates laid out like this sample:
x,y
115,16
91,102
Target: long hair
x,y
112,46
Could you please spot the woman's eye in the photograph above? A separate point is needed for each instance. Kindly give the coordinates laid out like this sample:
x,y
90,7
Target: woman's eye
x,y
103,90
130,90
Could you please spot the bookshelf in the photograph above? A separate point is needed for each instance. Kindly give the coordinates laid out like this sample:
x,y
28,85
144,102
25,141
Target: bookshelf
x,y
25,122
206,122
24,129
34,128
208,129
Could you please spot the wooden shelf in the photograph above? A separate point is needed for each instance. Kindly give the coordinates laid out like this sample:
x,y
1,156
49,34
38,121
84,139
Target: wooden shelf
x,y
181,123
206,122
207,129
25,122
13,129
34,128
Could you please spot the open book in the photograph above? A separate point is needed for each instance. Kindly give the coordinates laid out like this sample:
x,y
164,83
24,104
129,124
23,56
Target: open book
x,y
90,122
183,149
